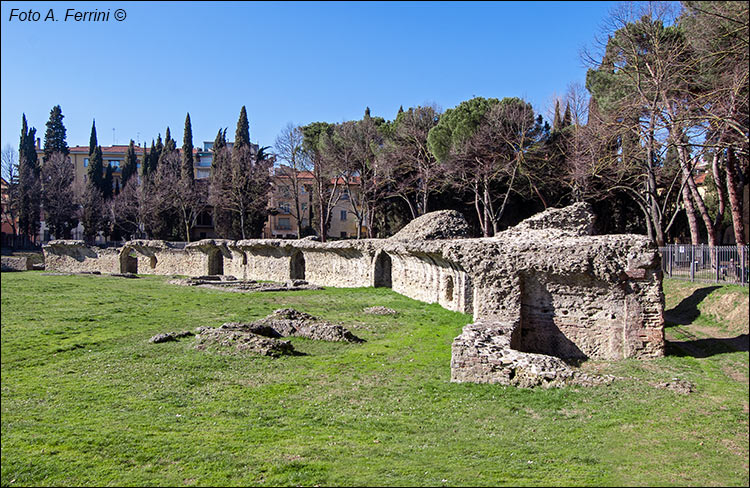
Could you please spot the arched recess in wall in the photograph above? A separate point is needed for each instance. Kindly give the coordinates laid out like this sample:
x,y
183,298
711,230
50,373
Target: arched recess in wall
x,y
128,261
215,262
297,266
382,271
448,288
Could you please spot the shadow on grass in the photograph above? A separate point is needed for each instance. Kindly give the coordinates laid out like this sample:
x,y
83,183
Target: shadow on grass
x,y
703,348
687,310
685,313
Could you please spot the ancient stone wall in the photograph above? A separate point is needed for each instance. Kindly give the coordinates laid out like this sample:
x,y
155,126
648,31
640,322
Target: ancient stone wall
x,y
73,256
547,285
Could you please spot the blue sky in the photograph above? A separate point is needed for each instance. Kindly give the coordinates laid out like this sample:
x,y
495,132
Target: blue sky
x,y
286,62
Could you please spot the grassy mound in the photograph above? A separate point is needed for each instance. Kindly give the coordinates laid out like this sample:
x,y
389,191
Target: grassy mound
x,y
86,400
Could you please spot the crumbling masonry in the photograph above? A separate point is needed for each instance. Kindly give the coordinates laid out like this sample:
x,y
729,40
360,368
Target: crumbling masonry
x,y
540,292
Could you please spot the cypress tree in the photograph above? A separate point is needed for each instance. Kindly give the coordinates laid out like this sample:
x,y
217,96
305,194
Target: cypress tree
x,y
156,155
567,118
107,183
95,171
242,135
29,184
557,122
170,146
400,110
130,165
146,161
92,139
187,151
220,142
367,112
54,137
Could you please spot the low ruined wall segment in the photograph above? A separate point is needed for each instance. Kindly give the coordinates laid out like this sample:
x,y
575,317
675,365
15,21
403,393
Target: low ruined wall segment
x,y
547,284
74,256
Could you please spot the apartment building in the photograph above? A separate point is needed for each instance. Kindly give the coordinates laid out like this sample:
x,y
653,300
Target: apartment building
x,y
282,221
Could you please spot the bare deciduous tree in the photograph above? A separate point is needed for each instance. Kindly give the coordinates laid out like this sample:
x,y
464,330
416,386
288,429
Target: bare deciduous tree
x,y
289,179
58,197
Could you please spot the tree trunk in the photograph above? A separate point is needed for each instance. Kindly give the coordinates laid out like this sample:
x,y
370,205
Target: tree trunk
x,y
735,198
695,236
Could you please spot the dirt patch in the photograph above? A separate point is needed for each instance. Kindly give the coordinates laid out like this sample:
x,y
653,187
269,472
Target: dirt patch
x,y
677,385
379,310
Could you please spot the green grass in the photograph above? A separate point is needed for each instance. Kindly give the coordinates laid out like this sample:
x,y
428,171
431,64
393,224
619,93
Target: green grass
x,y
86,400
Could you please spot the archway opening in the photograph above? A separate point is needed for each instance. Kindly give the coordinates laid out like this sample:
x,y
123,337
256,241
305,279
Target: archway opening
x,y
297,266
129,261
449,288
382,272
215,263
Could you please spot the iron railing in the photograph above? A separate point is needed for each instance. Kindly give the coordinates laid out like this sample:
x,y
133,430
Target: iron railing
x,y
711,264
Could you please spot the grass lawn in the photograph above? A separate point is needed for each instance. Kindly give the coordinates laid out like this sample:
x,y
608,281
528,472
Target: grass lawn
x,y
86,400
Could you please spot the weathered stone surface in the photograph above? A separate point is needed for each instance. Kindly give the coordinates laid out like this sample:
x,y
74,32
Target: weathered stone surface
x,y
232,340
290,322
442,224
576,219
571,294
485,353
15,263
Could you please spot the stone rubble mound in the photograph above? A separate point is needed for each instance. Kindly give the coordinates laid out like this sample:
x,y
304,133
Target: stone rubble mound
x,y
240,340
380,310
573,220
263,336
442,224
14,263
291,322
483,353
230,283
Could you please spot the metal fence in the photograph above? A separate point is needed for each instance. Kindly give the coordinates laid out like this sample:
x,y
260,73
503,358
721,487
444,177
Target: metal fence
x,y
720,264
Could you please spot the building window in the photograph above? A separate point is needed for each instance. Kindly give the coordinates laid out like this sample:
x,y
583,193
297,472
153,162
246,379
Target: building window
x,y
204,219
345,195
284,224
202,173
343,215
304,207
284,208
85,162
115,163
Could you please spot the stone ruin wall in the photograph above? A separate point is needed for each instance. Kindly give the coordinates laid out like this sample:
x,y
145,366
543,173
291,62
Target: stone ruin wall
x,y
547,285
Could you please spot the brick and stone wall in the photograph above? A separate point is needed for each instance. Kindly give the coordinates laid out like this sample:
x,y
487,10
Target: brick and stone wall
x,y
548,284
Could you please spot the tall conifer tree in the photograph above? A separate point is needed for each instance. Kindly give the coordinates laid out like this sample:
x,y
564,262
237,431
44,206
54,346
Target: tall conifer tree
x,y
54,137
187,151
130,165
108,183
29,184
242,134
557,122
567,118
